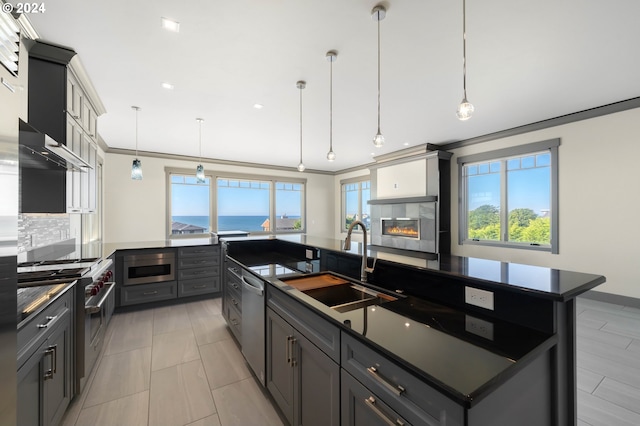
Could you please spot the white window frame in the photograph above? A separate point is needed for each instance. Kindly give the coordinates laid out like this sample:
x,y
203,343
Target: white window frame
x,y
213,198
498,155
343,202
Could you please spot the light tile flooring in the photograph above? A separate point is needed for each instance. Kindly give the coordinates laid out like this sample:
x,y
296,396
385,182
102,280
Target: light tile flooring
x,y
608,352
171,365
178,365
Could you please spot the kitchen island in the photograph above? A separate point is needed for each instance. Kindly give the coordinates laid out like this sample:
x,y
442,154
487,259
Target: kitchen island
x,y
515,361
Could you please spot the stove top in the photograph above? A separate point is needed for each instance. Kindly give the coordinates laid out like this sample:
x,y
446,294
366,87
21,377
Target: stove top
x,y
50,274
57,262
55,270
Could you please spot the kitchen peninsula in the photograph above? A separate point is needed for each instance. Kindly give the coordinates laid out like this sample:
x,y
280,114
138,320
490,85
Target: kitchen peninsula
x,y
476,365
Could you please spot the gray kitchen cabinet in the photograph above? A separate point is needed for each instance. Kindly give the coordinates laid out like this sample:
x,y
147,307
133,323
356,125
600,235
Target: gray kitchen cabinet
x,y
198,270
360,407
146,293
45,378
296,370
232,298
397,388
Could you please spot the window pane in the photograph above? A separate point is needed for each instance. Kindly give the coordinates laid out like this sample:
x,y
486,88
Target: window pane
x,y
288,207
190,203
513,164
528,162
366,208
529,198
483,203
243,206
350,204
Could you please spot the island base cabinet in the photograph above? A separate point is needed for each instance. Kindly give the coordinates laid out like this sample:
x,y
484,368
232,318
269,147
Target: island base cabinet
x,y
44,380
360,407
303,380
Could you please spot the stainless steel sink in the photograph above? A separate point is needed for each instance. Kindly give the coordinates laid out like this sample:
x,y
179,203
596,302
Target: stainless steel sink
x,y
338,293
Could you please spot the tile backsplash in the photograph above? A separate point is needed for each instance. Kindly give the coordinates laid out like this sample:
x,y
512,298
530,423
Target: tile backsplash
x,y
38,230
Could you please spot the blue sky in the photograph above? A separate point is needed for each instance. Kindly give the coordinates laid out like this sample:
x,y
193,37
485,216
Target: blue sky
x,y
193,200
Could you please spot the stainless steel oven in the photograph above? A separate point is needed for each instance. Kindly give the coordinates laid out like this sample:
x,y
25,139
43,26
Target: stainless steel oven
x,y
149,268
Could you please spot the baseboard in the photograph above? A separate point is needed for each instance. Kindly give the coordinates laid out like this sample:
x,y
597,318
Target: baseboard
x,y
612,298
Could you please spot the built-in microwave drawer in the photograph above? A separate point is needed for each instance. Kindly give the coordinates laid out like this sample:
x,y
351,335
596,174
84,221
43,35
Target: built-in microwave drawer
x,y
149,268
409,396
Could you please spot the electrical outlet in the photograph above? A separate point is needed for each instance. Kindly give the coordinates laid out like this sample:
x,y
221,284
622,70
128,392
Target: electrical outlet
x,y
481,298
478,327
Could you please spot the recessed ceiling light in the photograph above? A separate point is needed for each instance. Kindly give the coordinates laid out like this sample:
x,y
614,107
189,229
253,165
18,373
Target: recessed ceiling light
x,y
167,86
170,25
258,106
406,144
373,153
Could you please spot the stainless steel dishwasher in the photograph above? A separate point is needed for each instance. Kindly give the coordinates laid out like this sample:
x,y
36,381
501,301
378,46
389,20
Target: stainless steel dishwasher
x,y
253,330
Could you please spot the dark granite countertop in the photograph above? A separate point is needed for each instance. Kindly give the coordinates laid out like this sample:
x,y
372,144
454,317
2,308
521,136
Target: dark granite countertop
x,y
461,354
109,248
539,281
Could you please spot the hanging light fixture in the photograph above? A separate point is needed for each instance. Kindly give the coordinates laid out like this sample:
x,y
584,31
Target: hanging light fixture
x,y
331,57
378,13
465,109
200,169
301,85
136,167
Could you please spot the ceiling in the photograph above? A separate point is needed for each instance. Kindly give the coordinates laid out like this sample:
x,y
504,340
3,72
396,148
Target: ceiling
x,y
526,62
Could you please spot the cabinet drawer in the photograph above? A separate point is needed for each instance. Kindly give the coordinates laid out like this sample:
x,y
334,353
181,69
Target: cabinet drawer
x,y
360,406
33,332
199,272
323,334
198,262
200,251
198,286
234,318
145,293
410,397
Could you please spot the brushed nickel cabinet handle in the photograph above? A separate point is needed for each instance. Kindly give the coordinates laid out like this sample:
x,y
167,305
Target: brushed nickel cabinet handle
x,y
396,389
371,403
149,293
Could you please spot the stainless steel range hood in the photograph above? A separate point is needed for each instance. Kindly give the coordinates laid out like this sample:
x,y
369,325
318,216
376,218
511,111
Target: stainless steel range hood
x,y
46,153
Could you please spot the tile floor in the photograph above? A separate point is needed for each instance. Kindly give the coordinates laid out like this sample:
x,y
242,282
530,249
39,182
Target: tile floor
x,y
608,353
178,365
172,365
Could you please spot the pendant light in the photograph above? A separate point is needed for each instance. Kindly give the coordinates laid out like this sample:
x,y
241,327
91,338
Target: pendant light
x,y
301,85
465,109
378,13
200,169
331,57
136,167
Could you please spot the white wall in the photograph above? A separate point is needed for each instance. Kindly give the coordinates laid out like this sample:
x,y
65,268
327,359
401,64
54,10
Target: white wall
x,y
599,191
135,210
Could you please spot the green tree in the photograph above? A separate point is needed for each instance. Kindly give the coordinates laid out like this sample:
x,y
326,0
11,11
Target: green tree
x,y
484,216
521,217
489,232
538,231
297,224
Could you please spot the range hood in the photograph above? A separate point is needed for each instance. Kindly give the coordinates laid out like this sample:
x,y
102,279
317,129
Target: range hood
x,y
40,151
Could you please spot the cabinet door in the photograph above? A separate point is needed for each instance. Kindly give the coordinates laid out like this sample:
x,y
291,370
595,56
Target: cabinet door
x,y
279,365
57,389
74,143
317,385
30,389
74,98
360,407
92,182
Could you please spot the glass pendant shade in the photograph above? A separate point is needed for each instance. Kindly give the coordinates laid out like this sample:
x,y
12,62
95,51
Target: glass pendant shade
x,y
331,156
301,167
465,110
378,140
200,174
136,170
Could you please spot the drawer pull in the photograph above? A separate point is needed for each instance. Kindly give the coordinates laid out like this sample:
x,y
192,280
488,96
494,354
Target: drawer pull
x,y
234,301
234,285
49,319
371,403
149,293
199,286
396,389
51,352
234,322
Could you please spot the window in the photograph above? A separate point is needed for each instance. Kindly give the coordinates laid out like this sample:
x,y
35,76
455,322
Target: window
x,y
509,197
189,206
236,202
356,194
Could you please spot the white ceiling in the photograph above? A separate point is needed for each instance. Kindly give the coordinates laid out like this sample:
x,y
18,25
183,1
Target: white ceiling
x,y
526,61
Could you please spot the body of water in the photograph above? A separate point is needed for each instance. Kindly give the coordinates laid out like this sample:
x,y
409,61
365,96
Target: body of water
x,y
227,223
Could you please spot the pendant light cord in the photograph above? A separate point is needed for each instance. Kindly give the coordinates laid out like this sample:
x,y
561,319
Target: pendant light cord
x,y
137,109
300,123
464,48
330,105
378,70
200,138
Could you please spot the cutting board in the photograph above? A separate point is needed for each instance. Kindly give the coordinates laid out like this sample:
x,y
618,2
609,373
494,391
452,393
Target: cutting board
x,y
317,281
